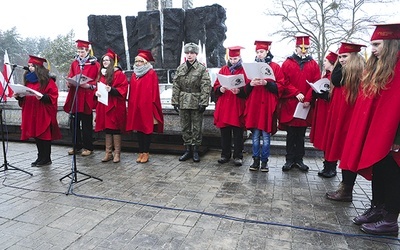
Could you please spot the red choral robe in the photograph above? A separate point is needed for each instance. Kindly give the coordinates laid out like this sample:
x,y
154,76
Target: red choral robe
x,y
337,124
39,120
319,118
261,104
372,129
144,104
229,109
85,101
295,83
113,116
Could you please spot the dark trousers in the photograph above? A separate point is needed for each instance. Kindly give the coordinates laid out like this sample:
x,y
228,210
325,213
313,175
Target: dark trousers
x,y
295,143
386,184
44,150
226,142
84,135
144,141
348,177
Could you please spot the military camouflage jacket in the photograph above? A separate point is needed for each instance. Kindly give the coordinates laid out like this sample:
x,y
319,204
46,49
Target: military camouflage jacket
x,y
191,87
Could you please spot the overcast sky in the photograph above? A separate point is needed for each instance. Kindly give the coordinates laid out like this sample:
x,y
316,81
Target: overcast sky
x,y
246,21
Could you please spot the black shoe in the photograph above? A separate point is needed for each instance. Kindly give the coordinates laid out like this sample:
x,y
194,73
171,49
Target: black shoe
x,y
238,162
264,166
287,166
329,174
223,160
303,167
196,157
33,164
186,156
255,165
43,163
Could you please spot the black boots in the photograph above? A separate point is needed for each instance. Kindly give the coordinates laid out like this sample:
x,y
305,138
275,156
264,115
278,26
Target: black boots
x,y
255,165
371,215
343,193
329,170
196,157
187,155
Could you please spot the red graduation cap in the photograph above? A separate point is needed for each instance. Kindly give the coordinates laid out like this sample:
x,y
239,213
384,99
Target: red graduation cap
x,y
302,40
350,47
82,44
332,56
390,31
111,54
234,51
262,45
146,54
36,60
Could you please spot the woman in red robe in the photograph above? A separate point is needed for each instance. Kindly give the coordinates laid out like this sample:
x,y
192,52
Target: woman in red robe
x,y
321,106
39,111
229,109
346,78
144,105
111,118
372,143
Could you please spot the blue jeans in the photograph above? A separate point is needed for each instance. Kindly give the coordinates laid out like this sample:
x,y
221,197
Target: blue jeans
x,y
265,150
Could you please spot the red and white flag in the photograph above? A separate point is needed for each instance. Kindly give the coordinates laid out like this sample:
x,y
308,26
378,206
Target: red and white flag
x,y
5,77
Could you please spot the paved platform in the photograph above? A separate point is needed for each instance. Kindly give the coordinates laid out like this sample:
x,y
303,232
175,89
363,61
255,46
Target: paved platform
x,y
167,204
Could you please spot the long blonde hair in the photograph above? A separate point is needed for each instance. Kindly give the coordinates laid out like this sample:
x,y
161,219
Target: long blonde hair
x,y
379,71
352,76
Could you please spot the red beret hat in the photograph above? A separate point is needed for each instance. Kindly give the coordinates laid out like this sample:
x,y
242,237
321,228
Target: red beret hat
x,y
262,45
350,47
332,56
235,51
36,60
146,54
302,40
82,44
386,32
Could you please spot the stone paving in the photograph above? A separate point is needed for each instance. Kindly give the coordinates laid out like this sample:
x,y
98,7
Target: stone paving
x,y
167,204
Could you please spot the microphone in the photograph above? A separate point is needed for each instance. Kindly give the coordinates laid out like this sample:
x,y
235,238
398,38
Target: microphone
x,y
18,66
91,62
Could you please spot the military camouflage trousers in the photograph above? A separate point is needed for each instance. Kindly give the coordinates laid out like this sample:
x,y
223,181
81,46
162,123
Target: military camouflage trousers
x,y
192,126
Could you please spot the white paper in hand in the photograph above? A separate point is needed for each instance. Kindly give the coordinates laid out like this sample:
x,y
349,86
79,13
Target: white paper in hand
x,y
301,112
103,98
231,81
24,91
322,85
75,79
259,70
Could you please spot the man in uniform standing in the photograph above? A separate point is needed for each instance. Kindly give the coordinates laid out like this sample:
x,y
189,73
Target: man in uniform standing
x,y
190,97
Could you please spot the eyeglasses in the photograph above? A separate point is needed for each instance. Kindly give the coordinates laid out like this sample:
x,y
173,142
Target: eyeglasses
x,y
139,61
106,60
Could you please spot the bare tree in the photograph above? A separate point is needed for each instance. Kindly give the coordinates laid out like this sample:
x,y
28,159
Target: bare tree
x,y
327,22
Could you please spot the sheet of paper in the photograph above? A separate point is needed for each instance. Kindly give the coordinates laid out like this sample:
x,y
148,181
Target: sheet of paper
x,y
231,81
259,70
101,89
23,90
301,112
322,84
75,79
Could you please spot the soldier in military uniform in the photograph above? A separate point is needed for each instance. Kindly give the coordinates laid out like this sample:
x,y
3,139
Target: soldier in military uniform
x,y
190,97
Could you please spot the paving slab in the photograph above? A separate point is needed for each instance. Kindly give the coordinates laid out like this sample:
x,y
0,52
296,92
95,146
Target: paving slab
x,y
168,204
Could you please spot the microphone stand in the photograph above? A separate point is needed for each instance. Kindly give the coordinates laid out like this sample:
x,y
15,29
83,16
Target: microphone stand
x,y
6,165
74,171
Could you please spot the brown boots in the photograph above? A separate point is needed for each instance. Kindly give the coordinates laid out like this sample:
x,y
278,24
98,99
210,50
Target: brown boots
x,y
110,140
143,158
343,193
109,147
